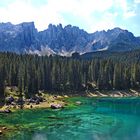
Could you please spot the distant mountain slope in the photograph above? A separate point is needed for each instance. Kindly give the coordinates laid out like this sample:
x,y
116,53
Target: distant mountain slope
x,y
135,54
24,38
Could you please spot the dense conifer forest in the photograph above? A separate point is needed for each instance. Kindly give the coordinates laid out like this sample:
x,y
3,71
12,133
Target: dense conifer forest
x,y
103,71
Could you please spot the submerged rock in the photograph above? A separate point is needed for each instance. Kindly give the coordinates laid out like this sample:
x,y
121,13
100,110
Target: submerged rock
x,y
78,103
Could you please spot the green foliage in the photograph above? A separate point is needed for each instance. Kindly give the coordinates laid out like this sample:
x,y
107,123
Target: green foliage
x,y
32,73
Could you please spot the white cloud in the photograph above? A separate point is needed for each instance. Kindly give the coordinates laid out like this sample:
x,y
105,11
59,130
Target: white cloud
x,y
20,11
107,22
129,14
137,1
128,9
52,12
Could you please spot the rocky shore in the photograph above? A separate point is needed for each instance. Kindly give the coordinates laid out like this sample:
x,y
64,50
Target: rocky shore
x,y
45,101
56,101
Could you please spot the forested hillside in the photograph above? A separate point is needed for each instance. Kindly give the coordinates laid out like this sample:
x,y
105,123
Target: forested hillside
x,y
31,73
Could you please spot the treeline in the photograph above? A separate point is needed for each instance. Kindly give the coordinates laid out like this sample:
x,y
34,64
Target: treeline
x,y
31,73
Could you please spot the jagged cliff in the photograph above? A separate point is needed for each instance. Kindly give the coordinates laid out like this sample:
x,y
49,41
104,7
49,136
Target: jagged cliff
x,y
24,38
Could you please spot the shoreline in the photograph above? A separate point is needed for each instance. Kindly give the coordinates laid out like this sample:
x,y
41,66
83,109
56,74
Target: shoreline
x,y
48,101
59,98
114,93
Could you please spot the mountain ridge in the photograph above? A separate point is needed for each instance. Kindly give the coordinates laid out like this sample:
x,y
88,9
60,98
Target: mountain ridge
x,y
56,39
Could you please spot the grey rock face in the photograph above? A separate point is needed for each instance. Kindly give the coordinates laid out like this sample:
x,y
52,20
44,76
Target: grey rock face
x,y
24,38
17,38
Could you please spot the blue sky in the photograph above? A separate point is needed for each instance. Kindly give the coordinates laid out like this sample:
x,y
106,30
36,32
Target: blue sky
x,y
90,15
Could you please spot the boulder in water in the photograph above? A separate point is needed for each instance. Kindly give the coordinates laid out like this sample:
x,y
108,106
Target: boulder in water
x,y
56,106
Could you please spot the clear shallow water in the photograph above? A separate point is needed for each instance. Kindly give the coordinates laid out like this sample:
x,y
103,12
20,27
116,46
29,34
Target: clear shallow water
x,y
95,119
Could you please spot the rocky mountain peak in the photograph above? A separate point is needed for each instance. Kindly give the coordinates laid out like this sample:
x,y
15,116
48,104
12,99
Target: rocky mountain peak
x,y
61,40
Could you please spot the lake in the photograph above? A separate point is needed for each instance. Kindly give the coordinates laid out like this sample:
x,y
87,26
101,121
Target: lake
x,y
94,119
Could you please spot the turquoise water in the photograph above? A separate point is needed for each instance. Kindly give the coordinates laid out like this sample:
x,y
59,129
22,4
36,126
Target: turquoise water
x,y
95,119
